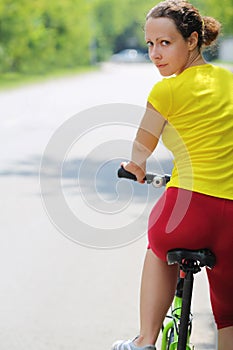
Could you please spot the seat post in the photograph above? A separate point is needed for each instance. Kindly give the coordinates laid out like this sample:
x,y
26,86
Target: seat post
x,y
190,261
185,311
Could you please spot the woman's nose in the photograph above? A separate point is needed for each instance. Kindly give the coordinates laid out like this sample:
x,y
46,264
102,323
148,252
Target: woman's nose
x,y
155,53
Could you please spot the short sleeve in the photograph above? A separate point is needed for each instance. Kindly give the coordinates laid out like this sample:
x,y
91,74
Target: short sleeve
x,y
160,97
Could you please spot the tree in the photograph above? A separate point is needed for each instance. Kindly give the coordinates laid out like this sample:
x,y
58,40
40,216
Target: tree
x,y
42,35
219,10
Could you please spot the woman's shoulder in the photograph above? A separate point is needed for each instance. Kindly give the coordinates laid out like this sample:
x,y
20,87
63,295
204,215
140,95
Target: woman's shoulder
x,y
208,68
199,76
220,69
192,77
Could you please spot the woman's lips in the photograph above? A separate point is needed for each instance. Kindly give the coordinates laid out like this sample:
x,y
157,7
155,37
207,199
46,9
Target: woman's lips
x,y
161,65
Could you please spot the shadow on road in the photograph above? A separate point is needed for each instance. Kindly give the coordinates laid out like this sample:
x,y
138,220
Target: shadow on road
x,y
86,172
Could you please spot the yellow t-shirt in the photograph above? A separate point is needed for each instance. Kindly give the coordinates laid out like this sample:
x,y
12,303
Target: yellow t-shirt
x,y
198,105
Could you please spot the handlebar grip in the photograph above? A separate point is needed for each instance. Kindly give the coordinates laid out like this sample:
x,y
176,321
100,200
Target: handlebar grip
x,y
156,180
126,174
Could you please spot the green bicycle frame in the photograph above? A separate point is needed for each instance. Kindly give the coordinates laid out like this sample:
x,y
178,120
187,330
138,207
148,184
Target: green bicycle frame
x,y
173,326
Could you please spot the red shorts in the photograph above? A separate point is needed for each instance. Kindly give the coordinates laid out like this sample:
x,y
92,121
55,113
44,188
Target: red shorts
x,y
191,220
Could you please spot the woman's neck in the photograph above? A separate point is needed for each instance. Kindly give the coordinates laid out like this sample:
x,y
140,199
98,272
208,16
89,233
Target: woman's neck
x,y
195,59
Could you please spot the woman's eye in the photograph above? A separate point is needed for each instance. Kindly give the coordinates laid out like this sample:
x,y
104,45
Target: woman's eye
x,y
165,43
149,43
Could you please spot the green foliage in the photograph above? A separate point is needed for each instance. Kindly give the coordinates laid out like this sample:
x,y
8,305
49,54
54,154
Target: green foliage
x,y
221,10
119,24
39,36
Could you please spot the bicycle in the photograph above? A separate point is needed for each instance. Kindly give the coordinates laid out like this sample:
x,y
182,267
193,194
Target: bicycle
x,y
176,333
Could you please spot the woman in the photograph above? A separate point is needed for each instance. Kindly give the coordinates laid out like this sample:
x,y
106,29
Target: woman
x,y
193,111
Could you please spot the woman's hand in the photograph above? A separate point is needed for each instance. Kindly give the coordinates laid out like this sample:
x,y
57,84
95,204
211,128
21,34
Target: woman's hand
x,y
133,168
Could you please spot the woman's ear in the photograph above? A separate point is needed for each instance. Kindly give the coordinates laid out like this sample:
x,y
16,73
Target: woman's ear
x,y
193,41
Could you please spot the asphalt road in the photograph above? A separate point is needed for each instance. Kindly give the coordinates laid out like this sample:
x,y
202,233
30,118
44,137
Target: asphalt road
x,y
63,286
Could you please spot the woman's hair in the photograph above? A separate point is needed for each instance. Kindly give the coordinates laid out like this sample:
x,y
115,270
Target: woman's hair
x,y
188,20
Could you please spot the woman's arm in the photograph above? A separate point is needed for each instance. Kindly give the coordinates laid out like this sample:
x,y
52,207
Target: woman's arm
x,y
145,142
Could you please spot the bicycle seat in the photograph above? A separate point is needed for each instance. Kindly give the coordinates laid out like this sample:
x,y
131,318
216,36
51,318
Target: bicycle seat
x,y
204,256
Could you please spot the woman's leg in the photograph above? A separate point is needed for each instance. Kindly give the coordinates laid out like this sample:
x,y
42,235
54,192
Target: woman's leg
x,y
157,292
220,278
225,338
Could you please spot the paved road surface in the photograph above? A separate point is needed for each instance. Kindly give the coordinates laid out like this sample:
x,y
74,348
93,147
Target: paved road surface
x,y
57,294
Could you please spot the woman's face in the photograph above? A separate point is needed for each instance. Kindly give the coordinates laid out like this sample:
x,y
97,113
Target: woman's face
x,y
168,50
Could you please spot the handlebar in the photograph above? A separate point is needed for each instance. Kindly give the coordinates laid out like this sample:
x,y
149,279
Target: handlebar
x,y
156,179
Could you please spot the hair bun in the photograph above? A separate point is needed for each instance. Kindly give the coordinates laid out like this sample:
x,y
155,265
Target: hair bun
x,y
211,30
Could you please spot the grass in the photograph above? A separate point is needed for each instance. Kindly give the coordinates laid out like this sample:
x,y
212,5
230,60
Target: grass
x,y
12,80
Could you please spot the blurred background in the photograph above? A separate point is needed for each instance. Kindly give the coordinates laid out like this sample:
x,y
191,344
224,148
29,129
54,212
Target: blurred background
x,y
43,36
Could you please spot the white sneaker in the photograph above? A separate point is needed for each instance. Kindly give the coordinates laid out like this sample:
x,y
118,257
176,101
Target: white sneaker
x,y
129,345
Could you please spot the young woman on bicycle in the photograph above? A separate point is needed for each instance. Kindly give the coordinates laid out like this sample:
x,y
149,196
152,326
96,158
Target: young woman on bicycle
x,y
193,111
